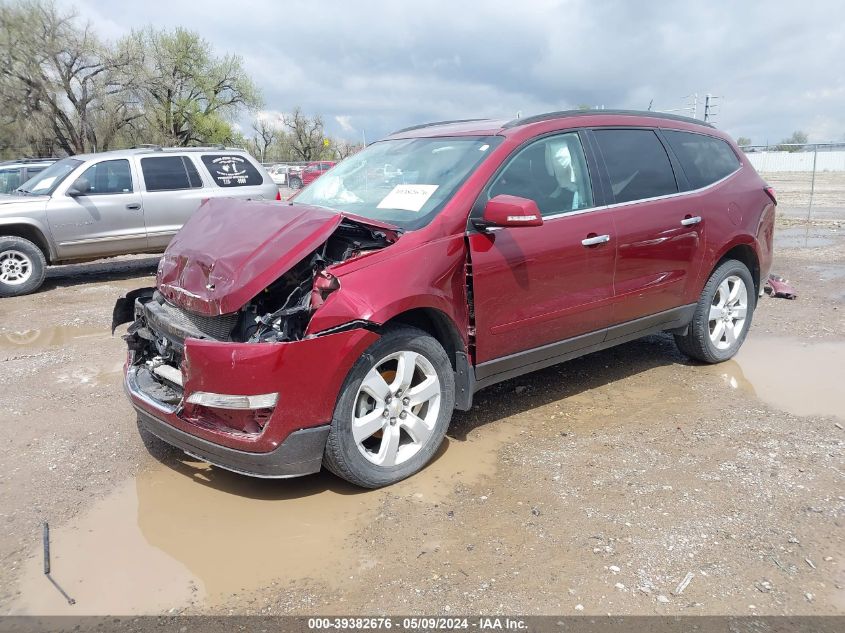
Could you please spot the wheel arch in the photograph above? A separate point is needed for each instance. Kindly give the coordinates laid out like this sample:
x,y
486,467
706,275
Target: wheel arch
x,y
745,253
32,232
445,331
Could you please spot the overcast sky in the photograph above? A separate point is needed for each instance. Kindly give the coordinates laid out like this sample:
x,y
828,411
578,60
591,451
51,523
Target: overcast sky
x,y
370,67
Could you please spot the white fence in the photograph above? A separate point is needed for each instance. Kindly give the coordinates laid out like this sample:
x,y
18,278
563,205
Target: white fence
x,y
779,161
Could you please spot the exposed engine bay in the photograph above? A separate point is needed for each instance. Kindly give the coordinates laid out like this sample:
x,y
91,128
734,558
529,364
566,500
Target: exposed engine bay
x,y
282,311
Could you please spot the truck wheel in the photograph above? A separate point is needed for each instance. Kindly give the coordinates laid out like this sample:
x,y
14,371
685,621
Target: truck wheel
x,y
393,410
22,266
722,316
295,182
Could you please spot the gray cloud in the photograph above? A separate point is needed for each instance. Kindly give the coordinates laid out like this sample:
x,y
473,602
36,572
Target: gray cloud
x,y
377,66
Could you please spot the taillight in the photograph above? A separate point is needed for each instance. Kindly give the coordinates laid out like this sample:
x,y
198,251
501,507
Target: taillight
x,y
279,196
770,191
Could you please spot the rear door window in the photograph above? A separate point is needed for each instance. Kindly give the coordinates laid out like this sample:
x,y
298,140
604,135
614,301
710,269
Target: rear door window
x,y
637,164
169,173
704,159
231,170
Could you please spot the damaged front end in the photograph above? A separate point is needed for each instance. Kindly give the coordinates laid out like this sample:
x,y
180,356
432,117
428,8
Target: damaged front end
x,y
227,378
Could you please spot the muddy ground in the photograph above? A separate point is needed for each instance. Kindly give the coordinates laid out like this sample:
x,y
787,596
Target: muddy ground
x,y
594,487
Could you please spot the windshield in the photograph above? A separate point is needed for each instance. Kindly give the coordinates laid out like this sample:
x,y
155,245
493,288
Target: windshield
x,y
45,182
405,182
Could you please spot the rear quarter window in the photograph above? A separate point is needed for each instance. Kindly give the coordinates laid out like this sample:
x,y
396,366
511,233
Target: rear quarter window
x,y
704,159
232,170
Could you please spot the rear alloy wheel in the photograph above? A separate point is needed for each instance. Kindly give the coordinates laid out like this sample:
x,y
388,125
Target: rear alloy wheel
x,y
393,411
722,316
22,266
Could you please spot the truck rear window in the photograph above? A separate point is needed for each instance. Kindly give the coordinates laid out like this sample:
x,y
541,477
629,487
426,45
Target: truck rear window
x,y
232,170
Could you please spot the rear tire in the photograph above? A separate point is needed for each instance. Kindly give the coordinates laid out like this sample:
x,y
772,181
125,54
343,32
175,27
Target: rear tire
x,y
393,410
295,183
22,266
722,316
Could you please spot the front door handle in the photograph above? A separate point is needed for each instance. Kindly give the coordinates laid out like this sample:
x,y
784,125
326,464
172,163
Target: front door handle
x,y
690,220
595,240
133,206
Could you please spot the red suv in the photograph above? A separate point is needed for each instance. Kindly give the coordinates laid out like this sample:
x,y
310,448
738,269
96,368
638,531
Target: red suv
x,y
343,328
310,173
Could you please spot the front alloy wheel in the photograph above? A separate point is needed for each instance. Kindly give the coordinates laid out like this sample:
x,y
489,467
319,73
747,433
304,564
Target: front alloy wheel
x,y
396,408
393,410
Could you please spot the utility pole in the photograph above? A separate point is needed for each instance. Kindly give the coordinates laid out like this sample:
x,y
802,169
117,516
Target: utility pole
x,y
709,107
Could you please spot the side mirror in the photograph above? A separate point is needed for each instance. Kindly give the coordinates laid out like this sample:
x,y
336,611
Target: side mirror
x,y
80,187
509,211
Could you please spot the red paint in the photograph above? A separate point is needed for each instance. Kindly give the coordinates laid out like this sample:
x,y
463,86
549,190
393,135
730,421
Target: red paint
x,y
532,285
307,376
314,170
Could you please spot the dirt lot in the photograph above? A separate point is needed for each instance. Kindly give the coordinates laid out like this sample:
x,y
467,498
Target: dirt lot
x,y
594,487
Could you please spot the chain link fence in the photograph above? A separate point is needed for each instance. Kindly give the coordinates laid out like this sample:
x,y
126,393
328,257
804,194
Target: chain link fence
x,y
809,179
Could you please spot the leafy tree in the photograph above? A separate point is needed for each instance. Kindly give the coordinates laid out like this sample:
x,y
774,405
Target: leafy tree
x,y
788,144
189,95
306,135
58,78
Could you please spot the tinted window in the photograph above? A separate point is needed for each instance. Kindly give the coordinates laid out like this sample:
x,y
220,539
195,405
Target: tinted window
x,y
231,170
168,173
10,179
637,164
704,159
552,172
109,176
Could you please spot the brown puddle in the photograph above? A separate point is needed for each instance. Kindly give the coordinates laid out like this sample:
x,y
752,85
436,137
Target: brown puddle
x,y
194,534
804,378
49,337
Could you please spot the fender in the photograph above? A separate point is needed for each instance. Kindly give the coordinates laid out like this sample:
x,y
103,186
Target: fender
x,y
40,228
397,284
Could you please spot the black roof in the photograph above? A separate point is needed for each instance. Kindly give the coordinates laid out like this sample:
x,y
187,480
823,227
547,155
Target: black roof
x,y
574,113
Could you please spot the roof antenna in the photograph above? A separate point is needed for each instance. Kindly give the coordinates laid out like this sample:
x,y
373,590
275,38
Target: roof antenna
x,y
650,103
519,114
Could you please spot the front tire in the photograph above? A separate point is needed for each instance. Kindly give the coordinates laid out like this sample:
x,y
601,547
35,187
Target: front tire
x,y
393,410
22,266
722,316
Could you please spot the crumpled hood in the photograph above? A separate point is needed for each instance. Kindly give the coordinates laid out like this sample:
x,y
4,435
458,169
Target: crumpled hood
x,y
230,250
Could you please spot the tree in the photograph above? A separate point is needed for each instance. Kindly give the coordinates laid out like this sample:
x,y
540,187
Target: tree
x,y
266,134
788,144
345,149
306,135
57,78
742,141
189,95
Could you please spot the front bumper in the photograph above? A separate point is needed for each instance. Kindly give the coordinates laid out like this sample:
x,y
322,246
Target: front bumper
x,y
300,454
307,375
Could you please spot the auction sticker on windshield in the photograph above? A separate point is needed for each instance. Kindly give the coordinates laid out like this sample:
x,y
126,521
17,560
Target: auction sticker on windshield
x,y
407,197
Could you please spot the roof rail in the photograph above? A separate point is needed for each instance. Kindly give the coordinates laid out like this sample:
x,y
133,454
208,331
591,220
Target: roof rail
x,y
573,113
151,146
24,161
433,123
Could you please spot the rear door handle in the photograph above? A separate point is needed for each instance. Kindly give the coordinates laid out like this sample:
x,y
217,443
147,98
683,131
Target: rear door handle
x,y
133,206
596,239
689,221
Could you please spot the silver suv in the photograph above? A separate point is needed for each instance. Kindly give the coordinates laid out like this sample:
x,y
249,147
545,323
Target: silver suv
x,y
114,203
